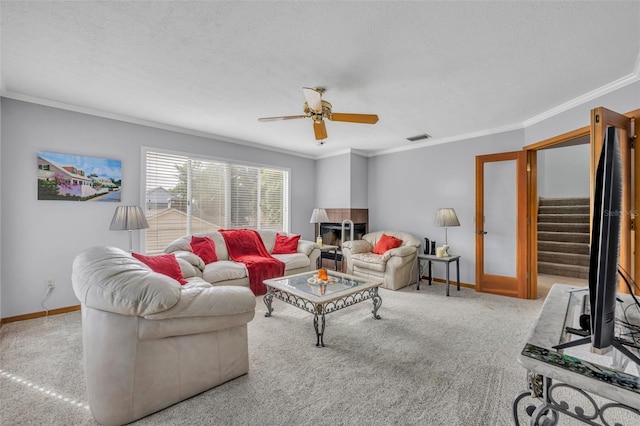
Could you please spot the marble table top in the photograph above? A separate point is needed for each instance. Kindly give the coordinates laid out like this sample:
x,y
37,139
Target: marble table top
x,y
592,373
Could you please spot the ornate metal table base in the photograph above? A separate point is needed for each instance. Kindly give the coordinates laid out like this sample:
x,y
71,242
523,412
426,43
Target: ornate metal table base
x,y
319,310
551,406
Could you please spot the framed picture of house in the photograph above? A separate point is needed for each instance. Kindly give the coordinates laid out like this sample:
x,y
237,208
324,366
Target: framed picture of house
x,y
69,177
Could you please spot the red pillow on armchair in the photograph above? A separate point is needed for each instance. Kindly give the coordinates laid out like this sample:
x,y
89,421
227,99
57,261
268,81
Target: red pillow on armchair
x,y
165,264
204,248
286,245
386,242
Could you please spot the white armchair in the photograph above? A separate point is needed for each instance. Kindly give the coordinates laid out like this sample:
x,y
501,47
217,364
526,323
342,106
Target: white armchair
x,y
396,267
150,342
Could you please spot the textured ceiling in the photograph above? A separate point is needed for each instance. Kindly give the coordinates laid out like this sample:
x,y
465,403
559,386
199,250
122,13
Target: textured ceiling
x,y
444,68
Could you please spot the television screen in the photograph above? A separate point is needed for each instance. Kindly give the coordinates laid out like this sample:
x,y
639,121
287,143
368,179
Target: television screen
x,y
605,242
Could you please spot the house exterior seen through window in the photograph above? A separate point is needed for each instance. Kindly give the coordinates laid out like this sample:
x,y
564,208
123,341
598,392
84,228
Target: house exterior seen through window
x,y
186,195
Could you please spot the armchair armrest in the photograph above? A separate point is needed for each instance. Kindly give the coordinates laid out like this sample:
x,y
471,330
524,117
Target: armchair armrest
x,y
306,247
209,302
191,258
399,251
357,246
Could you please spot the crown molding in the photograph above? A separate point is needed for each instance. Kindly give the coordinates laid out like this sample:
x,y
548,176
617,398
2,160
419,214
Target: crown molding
x,y
580,100
603,90
436,141
147,123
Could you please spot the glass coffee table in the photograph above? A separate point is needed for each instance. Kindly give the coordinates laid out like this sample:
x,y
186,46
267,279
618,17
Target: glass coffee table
x,y
306,292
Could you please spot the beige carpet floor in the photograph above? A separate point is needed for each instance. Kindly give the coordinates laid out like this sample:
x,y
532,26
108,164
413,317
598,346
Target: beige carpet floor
x,y
430,360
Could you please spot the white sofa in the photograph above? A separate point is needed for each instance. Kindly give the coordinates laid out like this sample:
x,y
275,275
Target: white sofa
x,y
396,267
227,272
150,342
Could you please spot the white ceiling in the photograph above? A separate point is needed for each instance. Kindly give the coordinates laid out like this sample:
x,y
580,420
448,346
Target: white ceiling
x,y
449,69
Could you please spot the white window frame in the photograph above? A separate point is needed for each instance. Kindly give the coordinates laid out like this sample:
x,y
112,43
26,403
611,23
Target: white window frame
x,y
195,156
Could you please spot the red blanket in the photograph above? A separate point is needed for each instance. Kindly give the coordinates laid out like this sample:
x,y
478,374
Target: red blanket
x,y
246,246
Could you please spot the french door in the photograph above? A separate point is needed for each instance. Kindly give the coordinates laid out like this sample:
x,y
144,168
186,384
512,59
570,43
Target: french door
x,y
501,223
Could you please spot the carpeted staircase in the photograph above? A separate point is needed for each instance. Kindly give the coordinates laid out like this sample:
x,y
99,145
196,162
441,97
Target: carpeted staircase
x,y
563,237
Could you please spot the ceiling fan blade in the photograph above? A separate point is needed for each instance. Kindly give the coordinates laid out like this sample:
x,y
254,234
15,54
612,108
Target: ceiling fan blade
x,y
320,130
285,117
354,118
314,98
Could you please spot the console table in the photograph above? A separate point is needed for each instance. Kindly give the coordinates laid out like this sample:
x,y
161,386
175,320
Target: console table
x,y
555,374
446,259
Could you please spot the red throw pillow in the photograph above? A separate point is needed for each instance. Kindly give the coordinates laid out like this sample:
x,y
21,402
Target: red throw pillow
x,y
386,242
286,245
204,248
166,264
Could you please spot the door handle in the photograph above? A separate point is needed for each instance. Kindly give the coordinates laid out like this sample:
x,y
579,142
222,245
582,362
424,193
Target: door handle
x,y
481,232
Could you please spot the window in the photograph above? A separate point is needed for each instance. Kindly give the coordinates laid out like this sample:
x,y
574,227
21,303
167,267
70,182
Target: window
x,y
185,195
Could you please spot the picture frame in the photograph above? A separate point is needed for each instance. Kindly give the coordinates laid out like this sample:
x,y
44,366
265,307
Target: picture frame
x,y
70,177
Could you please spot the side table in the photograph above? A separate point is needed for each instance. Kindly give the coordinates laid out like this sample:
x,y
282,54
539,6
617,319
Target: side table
x,y
328,248
433,258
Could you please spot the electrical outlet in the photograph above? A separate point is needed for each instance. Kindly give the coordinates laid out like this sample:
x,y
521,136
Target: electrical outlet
x,y
50,284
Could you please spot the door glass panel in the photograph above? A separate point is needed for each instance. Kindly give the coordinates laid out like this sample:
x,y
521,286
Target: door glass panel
x,y
500,212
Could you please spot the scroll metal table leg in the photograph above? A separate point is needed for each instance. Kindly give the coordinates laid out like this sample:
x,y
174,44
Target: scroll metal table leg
x,y
377,301
318,325
458,272
268,298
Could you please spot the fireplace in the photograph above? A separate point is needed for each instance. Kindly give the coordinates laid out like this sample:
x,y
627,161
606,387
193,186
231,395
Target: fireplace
x,y
331,233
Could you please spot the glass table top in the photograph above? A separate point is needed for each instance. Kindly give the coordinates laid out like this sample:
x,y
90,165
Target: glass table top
x,y
307,285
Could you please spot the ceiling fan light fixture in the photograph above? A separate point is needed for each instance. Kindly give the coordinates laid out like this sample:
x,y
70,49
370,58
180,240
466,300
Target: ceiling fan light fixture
x,y
418,137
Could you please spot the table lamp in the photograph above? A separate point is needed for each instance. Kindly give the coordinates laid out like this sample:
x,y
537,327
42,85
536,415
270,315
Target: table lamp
x,y
128,218
445,218
319,216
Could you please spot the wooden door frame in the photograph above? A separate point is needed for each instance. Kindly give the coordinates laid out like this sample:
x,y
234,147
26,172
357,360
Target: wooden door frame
x,y
503,285
532,199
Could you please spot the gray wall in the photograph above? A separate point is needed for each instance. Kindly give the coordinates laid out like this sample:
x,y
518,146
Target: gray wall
x,y
333,187
359,182
406,189
623,100
564,171
41,238
342,181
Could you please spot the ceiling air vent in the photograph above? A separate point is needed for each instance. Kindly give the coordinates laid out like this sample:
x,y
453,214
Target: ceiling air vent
x,y
418,137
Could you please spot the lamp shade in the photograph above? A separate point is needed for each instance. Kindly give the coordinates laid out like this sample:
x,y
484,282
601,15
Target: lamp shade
x,y
446,218
319,216
127,218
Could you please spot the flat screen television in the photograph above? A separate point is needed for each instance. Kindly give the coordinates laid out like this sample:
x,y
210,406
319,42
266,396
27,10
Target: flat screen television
x,y
604,253
605,243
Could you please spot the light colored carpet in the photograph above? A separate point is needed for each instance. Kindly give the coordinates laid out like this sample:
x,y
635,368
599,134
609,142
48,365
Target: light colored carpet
x,y
430,360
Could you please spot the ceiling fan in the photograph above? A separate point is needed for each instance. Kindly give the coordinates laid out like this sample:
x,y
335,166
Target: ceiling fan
x,y
317,109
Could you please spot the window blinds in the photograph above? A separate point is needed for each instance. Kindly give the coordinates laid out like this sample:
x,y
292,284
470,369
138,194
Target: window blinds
x,y
186,195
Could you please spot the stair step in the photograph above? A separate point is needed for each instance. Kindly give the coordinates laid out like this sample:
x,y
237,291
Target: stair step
x,y
563,209
563,258
569,237
574,271
563,247
564,227
564,218
564,201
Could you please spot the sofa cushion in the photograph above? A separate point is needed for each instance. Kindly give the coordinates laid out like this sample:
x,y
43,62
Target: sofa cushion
x,y
163,264
224,270
205,248
386,242
293,260
286,244
372,261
